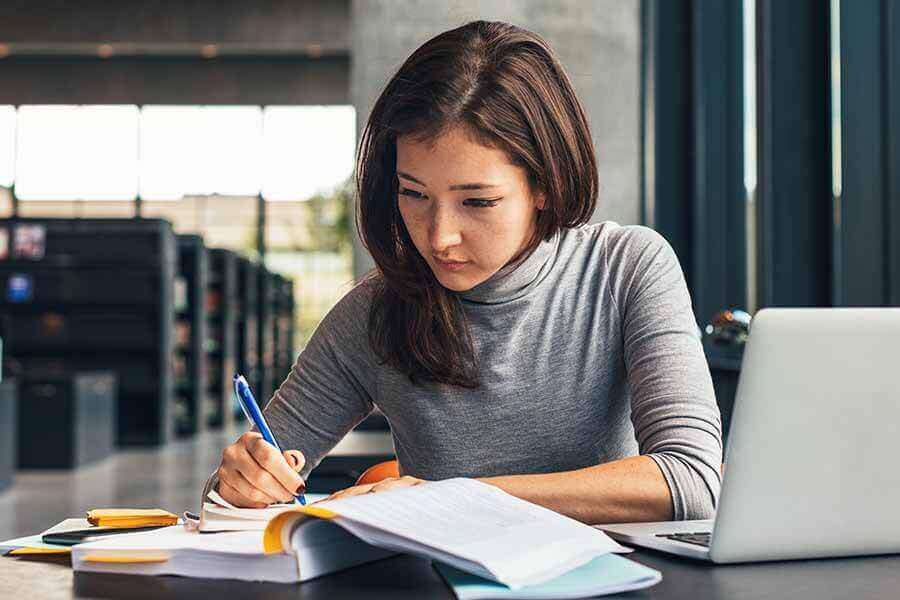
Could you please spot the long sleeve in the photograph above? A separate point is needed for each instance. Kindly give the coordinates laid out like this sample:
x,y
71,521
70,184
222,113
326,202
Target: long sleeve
x,y
673,406
329,389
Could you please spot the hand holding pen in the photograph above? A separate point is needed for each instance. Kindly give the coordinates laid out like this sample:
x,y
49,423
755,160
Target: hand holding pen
x,y
254,472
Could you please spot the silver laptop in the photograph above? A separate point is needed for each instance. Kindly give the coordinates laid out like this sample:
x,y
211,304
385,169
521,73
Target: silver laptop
x,y
811,460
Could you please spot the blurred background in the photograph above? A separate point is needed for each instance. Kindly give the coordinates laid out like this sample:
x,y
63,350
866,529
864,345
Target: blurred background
x,y
176,199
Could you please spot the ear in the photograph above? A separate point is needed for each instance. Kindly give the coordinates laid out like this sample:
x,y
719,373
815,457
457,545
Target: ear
x,y
540,201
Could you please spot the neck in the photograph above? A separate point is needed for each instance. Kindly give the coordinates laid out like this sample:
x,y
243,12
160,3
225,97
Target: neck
x,y
517,277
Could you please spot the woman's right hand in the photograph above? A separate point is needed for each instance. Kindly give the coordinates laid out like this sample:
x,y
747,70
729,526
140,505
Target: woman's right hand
x,y
253,474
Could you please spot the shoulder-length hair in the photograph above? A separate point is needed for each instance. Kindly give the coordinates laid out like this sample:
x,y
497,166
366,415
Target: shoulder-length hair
x,y
505,86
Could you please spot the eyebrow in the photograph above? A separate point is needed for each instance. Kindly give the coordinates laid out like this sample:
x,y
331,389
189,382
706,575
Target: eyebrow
x,y
457,186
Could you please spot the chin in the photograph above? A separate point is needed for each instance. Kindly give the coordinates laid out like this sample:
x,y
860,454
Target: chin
x,y
458,283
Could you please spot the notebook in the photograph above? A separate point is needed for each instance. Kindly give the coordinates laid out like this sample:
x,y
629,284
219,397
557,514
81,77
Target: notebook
x,y
467,524
34,544
607,574
219,515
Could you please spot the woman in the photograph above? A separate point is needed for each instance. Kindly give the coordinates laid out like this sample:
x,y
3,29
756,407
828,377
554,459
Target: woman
x,y
502,337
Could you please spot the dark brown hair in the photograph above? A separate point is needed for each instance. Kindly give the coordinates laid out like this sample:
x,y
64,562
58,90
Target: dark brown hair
x,y
504,85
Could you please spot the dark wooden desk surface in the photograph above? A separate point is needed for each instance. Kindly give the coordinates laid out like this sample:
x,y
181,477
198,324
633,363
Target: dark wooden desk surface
x,y
171,477
408,577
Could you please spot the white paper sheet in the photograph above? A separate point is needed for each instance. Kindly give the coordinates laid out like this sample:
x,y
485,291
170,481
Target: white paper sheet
x,y
518,542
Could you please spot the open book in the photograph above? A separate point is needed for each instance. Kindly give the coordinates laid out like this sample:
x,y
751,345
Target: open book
x,y
217,514
470,525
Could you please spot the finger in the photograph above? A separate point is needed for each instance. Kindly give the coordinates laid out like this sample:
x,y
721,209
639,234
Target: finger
x,y
393,484
249,494
275,464
231,495
295,459
351,491
259,476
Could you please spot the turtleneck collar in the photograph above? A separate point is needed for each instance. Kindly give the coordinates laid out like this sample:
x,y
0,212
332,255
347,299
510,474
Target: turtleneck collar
x,y
515,279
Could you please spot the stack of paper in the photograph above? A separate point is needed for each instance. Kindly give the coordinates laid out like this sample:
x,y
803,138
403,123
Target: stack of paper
x,y
227,555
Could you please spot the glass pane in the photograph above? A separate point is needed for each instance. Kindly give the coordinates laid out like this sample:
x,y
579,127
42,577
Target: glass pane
x,y
6,203
190,150
76,152
320,279
7,144
223,221
750,149
307,150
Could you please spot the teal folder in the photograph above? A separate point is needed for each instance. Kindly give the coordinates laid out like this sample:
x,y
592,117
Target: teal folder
x,y
606,574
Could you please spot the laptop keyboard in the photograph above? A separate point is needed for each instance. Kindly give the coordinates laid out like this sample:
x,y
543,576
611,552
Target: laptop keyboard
x,y
701,538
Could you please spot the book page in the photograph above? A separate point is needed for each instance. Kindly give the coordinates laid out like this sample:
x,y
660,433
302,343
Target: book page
x,y
220,515
514,539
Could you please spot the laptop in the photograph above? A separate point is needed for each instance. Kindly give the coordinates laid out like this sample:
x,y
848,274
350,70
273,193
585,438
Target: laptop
x,y
811,460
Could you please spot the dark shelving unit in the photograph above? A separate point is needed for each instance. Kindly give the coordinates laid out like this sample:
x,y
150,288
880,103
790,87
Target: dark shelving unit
x,y
266,324
95,294
222,308
8,434
248,327
284,327
192,409
80,411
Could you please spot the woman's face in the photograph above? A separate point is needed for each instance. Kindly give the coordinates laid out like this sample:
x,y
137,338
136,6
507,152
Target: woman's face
x,y
468,210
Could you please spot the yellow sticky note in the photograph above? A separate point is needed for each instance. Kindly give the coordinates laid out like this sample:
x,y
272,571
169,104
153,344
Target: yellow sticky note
x,y
130,517
126,559
28,550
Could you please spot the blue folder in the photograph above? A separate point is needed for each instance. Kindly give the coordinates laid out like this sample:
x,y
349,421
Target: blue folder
x,y
606,574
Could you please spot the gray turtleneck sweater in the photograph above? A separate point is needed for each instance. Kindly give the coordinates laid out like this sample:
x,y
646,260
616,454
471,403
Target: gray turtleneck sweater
x,y
589,353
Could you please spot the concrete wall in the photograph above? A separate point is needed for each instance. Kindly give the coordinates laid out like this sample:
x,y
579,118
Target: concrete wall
x,y
597,41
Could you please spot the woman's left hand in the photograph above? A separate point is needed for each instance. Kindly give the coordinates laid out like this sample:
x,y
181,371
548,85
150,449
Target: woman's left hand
x,y
391,483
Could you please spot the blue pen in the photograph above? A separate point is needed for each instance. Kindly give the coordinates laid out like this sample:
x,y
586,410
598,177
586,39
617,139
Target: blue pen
x,y
255,416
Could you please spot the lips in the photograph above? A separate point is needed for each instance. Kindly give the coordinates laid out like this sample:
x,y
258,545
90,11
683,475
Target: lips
x,y
451,264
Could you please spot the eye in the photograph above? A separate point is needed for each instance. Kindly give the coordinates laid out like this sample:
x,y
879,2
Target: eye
x,y
481,202
411,193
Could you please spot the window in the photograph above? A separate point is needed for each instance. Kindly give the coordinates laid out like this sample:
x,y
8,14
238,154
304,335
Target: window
x,y
76,152
208,170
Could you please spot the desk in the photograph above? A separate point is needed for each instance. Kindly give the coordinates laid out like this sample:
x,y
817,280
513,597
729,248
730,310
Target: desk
x,y
408,577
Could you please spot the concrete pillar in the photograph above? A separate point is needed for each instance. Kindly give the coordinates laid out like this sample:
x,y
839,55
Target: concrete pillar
x,y
598,43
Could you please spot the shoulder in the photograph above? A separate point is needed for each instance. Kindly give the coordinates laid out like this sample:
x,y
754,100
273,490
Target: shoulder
x,y
631,260
621,247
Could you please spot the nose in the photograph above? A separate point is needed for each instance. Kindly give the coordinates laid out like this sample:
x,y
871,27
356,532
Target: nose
x,y
444,230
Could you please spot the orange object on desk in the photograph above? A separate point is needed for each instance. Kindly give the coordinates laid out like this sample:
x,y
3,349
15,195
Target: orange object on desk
x,y
383,470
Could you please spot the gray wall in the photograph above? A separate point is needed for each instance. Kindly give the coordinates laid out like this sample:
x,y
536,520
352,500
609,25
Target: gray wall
x,y
598,43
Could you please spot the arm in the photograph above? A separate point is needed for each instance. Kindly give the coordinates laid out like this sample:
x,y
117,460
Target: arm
x,y
325,395
626,490
673,407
